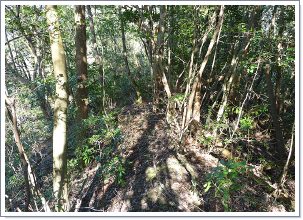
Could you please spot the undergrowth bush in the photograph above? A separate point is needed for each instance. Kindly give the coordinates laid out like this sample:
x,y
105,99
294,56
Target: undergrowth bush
x,y
225,179
103,145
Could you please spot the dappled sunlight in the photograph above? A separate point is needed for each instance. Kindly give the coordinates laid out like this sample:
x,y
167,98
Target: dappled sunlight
x,y
151,108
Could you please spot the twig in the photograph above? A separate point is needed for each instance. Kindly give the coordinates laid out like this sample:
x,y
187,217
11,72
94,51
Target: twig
x,y
24,35
11,201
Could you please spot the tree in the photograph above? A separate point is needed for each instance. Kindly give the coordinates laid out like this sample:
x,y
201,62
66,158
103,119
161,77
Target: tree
x,y
279,67
12,117
274,113
139,100
222,75
29,175
160,81
81,61
197,105
60,111
32,42
239,50
93,35
196,90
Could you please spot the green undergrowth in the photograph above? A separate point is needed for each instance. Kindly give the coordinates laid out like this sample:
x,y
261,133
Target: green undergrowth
x,y
102,146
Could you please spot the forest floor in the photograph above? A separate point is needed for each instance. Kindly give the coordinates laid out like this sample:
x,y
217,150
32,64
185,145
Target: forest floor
x,y
161,179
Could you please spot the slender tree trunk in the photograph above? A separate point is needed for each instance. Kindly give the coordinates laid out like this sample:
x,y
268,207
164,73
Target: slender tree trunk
x,y
93,35
13,119
196,91
197,105
273,22
29,175
169,43
81,62
139,100
193,52
160,80
81,69
235,87
234,63
44,105
289,158
279,67
275,116
60,111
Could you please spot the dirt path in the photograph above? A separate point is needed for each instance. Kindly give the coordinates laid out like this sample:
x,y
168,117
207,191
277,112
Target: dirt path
x,y
159,179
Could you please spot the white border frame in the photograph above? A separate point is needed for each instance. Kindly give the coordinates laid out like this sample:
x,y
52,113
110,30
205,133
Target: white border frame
x,y
157,214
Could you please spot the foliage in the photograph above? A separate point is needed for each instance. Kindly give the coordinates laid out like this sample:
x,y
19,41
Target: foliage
x,y
29,79
102,146
225,179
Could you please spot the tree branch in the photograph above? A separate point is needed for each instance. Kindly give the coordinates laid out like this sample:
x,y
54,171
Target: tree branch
x,y
24,35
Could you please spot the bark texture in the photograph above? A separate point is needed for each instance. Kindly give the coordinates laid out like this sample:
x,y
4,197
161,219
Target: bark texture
x,y
274,114
196,90
81,61
60,111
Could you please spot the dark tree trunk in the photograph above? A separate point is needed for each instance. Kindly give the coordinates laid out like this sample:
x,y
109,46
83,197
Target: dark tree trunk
x,y
275,116
139,100
81,61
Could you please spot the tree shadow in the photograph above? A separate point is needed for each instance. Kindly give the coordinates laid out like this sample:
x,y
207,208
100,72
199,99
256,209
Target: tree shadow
x,y
134,196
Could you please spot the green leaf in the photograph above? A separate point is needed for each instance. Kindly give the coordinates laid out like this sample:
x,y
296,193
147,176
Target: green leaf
x,y
232,175
217,191
225,172
223,162
243,163
234,165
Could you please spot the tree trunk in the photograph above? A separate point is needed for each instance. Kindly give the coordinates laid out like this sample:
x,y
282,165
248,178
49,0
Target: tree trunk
x,y
81,62
235,88
275,116
60,111
279,67
197,105
29,175
289,158
196,90
234,63
139,100
44,105
93,35
193,53
159,77
12,117
169,43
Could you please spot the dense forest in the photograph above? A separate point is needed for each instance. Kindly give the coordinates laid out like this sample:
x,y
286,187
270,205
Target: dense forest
x,y
150,108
